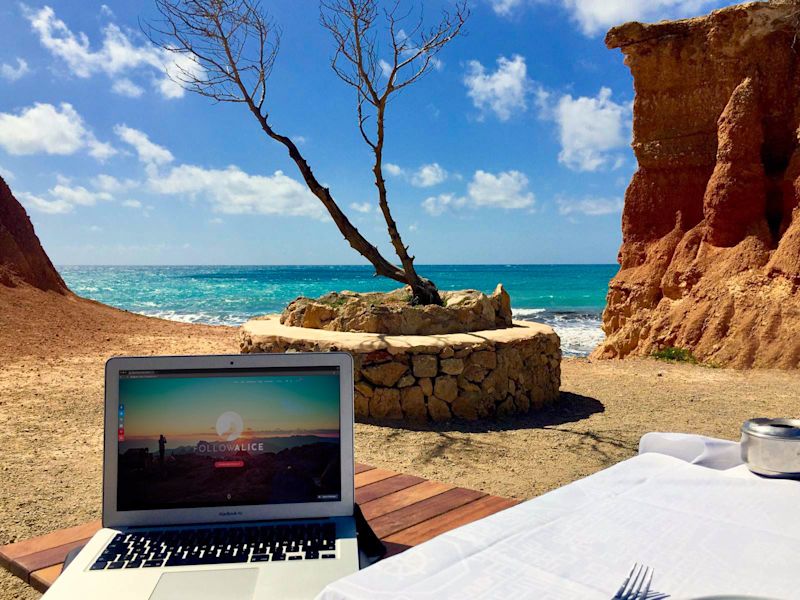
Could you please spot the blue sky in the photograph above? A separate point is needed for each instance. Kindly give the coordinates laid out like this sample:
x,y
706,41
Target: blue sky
x,y
514,150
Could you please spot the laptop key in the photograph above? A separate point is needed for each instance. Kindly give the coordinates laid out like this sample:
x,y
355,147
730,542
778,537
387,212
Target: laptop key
x,y
218,545
260,558
153,563
116,565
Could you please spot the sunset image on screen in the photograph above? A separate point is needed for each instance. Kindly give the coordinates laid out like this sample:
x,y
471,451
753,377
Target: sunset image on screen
x,y
190,441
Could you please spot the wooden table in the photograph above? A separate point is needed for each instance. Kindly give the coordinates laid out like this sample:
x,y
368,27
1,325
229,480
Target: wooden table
x,y
404,510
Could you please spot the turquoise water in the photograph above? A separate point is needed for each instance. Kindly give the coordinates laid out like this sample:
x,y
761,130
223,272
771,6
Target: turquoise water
x,y
568,297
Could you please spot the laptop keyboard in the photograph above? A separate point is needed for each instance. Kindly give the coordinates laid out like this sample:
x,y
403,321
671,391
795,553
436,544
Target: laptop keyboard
x,y
215,545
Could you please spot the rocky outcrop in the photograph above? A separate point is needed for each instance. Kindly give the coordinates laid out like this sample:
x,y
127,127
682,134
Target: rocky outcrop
x,y
710,259
418,378
392,313
22,258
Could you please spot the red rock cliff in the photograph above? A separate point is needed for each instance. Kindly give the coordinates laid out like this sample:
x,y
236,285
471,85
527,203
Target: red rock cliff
x,y
22,258
710,259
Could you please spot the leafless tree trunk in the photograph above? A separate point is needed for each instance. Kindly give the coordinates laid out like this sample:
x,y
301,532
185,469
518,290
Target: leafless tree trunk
x,y
232,46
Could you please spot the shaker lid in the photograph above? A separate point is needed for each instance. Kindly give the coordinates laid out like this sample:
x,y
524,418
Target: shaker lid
x,y
775,428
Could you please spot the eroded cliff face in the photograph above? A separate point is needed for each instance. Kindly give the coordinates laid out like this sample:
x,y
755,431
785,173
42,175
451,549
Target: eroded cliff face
x,y
710,259
22,258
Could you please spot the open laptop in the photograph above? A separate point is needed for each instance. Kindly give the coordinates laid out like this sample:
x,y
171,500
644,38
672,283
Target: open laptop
x,y
223,477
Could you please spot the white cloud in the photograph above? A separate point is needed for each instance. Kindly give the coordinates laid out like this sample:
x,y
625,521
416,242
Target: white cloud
x,y
147,151
362,207
505,8
504,91
590,129
428,175
112,185
593,16
100,150
132,204
116,55
393,170
78,195
425,176
508,189
125,87
37,203
233,191
11,72
177,67
437,205
593,207
44,128
63,198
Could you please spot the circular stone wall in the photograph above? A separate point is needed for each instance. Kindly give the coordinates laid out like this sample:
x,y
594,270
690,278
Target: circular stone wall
x,y
483,374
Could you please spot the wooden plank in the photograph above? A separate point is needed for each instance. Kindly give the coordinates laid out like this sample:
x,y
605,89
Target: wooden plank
x,y
403,498
45,558
13,551
379,489
404,510
480,508
372,476
42,579
418,512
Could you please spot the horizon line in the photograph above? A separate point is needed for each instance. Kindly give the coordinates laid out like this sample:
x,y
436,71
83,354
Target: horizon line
x,y
556,264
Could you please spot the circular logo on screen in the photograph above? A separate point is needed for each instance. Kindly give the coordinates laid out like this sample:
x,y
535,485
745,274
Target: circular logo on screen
x,y
230,426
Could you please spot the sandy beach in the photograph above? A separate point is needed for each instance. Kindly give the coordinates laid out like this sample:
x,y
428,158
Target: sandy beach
x,y
52,352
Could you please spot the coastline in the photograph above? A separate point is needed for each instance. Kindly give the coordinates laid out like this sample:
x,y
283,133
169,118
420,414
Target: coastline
x,y
53,349
569,298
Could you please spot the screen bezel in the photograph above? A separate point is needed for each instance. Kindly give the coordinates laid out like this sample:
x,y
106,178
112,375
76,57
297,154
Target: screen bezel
x,y
223,514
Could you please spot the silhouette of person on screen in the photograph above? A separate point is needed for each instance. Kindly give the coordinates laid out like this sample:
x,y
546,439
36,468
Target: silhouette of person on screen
x,y
162,444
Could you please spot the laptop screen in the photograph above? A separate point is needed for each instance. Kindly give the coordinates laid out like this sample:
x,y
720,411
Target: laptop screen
x,y
233,437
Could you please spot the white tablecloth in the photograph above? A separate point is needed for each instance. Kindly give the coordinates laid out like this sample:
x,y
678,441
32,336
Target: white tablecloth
x,y
705,531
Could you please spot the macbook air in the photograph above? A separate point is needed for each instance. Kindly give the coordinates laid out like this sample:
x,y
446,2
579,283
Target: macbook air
x,y
223,477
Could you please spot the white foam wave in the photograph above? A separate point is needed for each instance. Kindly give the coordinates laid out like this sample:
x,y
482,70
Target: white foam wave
x,y
204,318
579,339
580,331
521,313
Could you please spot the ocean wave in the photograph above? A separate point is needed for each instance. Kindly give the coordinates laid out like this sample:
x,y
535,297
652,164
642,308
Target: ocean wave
x,y
199,317
580,331
521,313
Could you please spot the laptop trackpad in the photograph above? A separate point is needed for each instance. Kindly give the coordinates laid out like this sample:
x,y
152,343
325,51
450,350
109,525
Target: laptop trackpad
x,y
231,584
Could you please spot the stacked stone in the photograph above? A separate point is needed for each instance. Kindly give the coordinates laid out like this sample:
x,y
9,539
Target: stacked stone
x,y
473,382
478,379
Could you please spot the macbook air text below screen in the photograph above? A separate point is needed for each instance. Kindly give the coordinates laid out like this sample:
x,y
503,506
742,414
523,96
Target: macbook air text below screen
x,y
200,438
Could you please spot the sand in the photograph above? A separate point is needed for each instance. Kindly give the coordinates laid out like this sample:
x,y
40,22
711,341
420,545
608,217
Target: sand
x,y
52,352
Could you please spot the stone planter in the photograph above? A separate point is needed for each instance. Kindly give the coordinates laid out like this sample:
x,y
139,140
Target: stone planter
x,y
484,374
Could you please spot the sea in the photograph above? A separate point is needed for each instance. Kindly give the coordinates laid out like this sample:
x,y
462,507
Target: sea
x,y
570,298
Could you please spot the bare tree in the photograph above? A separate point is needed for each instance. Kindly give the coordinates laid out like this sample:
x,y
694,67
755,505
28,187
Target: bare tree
x,y
231,47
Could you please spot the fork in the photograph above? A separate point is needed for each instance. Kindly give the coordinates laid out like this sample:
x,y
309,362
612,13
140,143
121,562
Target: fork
x,y
636,584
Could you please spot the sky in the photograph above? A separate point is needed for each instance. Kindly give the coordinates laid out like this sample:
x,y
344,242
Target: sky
x,y
187,409
515,148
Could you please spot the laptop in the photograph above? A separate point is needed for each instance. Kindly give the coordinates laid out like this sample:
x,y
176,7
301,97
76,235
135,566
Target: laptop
x,y
223,477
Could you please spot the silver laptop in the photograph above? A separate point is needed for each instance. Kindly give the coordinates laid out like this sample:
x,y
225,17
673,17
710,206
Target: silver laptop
x,y
223,477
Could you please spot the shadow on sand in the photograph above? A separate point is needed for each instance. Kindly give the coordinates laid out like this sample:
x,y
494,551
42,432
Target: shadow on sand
x,y
569,409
